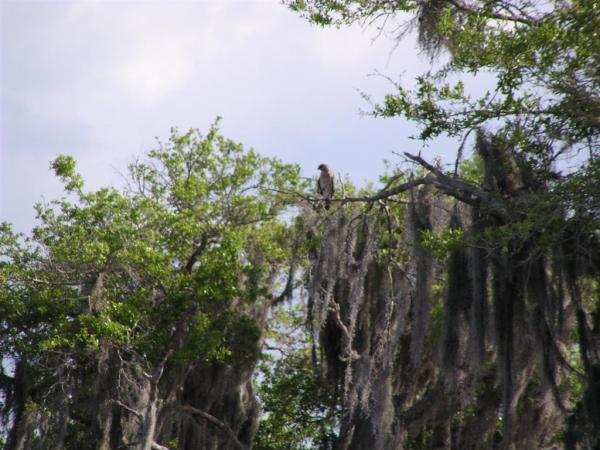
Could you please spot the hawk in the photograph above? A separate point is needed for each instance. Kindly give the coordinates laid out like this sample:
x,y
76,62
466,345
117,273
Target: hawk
x,y
326,184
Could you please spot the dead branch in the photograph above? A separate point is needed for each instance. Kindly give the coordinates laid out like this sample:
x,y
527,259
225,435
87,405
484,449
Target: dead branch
x,y
450,185
384,194
349,353
460,189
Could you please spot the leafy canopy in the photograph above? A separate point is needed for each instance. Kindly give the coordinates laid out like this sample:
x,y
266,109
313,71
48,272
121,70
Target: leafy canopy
x,y
197,233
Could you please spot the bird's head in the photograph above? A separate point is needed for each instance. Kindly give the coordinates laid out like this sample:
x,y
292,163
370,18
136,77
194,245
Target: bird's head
x,y
323,167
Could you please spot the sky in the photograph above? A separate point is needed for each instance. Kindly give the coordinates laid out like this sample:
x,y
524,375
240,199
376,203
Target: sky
x,y
101,80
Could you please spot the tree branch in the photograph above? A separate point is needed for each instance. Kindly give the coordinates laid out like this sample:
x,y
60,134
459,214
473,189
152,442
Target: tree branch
x,y
383,194
206,239
216,422
453,186
138,414
349,353
458,188
493,15
288,290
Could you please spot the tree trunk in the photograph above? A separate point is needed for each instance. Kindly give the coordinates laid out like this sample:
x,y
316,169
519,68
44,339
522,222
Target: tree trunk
x,y
20,386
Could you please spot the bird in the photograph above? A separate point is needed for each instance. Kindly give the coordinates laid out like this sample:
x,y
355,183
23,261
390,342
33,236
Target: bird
x,y
326,184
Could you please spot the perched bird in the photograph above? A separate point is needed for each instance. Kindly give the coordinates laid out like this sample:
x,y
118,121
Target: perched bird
x,y
326,184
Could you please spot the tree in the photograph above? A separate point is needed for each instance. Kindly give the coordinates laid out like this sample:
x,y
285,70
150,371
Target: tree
x,y
450,309
134,318
543,57
527,230
298,407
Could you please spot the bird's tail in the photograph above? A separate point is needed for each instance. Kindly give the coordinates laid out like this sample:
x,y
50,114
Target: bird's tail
x,y
327,203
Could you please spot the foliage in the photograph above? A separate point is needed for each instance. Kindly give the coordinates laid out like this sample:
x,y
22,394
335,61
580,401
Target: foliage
x,y
175,263
522,249
441,244
190,188
544,63
294,401
156,298
298,407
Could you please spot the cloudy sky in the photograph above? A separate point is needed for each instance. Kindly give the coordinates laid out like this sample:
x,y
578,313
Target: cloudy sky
x,y
99,80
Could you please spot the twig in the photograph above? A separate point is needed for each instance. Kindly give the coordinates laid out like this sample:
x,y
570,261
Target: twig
x,y
391,181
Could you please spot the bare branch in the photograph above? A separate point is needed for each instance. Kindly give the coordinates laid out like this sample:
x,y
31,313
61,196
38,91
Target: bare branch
x,y
137,414
453,186
216,422
391,181
349,353
493,15
458,188
384,194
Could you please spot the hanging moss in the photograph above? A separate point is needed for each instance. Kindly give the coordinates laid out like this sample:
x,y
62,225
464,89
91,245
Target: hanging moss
x,y
487,370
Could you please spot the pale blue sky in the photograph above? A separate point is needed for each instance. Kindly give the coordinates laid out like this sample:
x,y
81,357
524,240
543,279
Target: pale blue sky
x,y
99,80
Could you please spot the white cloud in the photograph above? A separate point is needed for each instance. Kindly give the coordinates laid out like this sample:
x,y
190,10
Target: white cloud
x,y
155,72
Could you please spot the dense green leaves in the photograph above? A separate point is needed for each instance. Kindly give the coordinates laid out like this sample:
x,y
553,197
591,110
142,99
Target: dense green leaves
x,y
537,138
177,273
294,405
177,262
299,409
